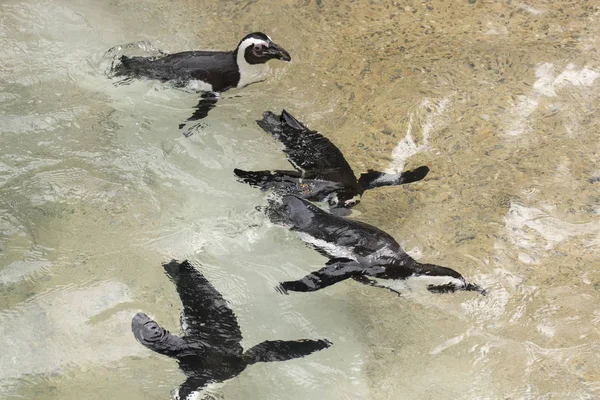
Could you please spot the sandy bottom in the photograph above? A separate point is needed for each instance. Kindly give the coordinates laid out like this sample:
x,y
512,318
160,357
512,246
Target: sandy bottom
x,y
499,99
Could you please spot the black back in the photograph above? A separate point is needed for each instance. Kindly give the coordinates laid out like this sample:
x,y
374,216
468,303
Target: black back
x,y
219,68
302,216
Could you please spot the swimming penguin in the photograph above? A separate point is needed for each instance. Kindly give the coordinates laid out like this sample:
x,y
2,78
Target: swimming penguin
x,y
210,72
322,173
210,351
359,251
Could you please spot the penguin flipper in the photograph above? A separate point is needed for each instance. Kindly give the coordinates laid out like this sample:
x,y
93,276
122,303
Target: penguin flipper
x,y
336,270
156,338
206,316
373,179
208,101
291,121
268,179
283,350
190,386
308,151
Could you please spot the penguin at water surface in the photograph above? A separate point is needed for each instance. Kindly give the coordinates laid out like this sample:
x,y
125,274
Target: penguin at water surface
x,y
359,251
210,350
322,173
210,72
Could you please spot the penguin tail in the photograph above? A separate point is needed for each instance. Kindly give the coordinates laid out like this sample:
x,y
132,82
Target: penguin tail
x,y
373,179
291,121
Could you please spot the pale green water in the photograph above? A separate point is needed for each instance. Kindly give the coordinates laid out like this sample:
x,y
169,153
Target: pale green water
x,y
98,187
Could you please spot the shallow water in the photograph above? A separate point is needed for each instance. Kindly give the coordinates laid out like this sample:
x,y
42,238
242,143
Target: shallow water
x,y
98,187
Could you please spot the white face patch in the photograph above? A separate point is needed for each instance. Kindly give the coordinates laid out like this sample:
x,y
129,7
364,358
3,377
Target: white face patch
x,y
250,73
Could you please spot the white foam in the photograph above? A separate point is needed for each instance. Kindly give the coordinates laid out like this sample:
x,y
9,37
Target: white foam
x,y
529,9
547,84
447,344
407,147
528,226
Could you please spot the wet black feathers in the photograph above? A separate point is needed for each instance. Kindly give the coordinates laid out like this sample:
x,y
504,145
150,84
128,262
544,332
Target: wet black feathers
x,y
210,351
218,68
282,350
308,150
205,312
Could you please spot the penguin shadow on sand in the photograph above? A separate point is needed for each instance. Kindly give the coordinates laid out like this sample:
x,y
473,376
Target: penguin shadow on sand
x,y
321,171
209,73
210,349
358,251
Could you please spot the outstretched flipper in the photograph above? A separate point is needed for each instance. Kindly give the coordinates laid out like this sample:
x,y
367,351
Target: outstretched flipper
x,y
308,151
160,340
337,270
206,316
282,350
208,101
373,179
267,179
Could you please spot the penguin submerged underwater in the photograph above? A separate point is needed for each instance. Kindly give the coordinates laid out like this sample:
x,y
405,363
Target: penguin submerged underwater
x,y
210,72
210,351
322,173
359,251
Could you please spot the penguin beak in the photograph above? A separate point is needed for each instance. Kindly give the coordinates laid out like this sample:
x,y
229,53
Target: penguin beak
x,y
475,288
276,51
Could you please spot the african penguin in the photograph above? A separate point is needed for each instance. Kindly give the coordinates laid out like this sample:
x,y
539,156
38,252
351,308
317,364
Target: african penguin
x,y
210,351
322,173
210,72
359,251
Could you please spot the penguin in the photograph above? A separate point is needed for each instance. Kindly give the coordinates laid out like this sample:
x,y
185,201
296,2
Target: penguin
x,y
209,72
359,251
210,350
322,173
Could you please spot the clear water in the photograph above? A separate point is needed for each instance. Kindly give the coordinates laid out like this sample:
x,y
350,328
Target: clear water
x,y
98,187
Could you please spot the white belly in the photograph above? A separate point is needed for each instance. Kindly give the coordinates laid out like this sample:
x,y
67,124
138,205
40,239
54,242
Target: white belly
x,y
329,248
199,86
208,392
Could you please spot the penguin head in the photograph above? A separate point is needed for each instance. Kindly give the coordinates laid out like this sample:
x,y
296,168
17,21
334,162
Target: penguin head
x,y
271,123
258,48
293,211
445,280
147,331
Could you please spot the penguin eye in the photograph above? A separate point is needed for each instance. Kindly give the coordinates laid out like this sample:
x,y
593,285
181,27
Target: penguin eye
x,y
258,47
